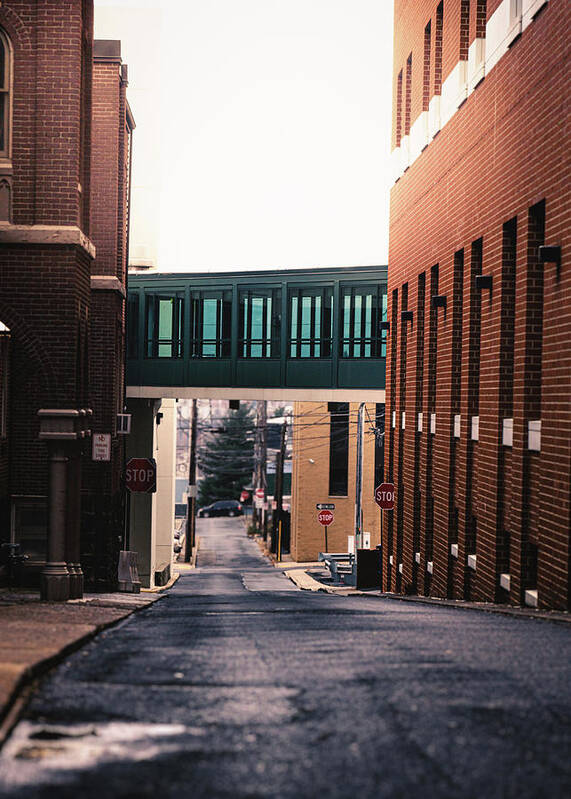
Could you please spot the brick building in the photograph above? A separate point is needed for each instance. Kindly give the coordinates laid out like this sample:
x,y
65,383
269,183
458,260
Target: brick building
x,y
478,383
324,447
56,301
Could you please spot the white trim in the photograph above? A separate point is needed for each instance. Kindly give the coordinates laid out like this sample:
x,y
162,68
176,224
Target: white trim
x,y
434,116
457,425
417,557
505,581
433,423
280,393
472,562
419,422
534,436
454,92
400,568
531,597
418,136
391,560
403,420
508,432
430,567
530,8
475,428
476,63
454,550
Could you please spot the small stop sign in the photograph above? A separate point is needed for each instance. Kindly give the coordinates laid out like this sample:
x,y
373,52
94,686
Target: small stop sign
x,y
325,517
141,475
385,496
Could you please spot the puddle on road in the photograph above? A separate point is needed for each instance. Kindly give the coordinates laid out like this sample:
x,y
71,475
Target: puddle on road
x,y
43,753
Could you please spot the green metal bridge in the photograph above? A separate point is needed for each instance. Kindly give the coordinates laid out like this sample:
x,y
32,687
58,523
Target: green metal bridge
x,y
297,334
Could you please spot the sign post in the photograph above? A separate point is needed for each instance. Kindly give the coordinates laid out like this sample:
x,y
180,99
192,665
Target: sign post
x,y
385,499
325,518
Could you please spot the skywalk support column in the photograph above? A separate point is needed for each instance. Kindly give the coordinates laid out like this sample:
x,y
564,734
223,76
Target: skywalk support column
x,y
63,431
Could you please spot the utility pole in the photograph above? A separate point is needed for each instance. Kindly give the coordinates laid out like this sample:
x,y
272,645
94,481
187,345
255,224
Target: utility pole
x,y
260,457
359,478
191,510
280,489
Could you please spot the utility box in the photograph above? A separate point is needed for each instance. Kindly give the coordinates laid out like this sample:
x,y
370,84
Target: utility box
x,y
368,568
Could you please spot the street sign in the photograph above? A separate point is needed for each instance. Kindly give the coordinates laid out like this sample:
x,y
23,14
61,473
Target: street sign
x,y
101,447
141,476
259,493
325,517
325,506
385,496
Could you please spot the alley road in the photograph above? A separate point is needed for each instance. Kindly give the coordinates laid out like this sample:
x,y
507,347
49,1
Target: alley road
x,y
239,685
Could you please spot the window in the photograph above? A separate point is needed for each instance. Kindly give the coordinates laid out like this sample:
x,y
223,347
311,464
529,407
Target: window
x,y
311,322
164,315
211,324
338,449
4,377
5,80
363,309
260,323
132,325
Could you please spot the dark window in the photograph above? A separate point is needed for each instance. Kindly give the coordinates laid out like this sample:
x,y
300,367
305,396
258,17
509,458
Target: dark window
x,y
132,325
211,324
363,308
311,322
5,77
339,448
164,316
260,323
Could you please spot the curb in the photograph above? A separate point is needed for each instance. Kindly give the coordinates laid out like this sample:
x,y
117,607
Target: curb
x,y
18,699
305,582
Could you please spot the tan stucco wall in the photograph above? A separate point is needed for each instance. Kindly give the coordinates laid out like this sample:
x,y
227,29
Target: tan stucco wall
x,y
310,482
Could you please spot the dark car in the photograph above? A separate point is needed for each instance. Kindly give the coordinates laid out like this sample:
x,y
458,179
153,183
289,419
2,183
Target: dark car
x,y
224,507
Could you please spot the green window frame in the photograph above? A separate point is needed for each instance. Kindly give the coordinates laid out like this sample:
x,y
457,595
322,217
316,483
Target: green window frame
x,y
363,308
211,324
164,316
259,323
310,322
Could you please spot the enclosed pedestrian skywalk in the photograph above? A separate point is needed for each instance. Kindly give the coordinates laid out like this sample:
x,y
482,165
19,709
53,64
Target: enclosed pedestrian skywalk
x,y
298,334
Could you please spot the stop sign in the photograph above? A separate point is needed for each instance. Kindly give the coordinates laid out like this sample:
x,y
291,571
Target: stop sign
x,y
141,475
385,496
325,517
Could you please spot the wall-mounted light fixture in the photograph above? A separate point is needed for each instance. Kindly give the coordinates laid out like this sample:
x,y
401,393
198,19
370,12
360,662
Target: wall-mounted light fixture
x,y
484,282
439,301
406,316
549,255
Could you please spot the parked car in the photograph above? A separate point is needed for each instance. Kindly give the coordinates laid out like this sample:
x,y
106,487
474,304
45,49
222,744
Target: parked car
x,y
224,507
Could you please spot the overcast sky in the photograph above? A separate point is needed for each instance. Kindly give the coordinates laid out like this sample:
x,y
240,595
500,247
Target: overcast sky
x,y
263,127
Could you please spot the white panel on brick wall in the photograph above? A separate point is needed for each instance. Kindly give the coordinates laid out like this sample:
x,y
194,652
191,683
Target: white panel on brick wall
x,y
403,420
419,426
529,10
472,562
476,63
534,436
475,428
418,136
417,557
400,568
508,433
433,423
404,153
434,116
505,581
457,420
396,164
454,550
501,29
394,419
454,92
430,567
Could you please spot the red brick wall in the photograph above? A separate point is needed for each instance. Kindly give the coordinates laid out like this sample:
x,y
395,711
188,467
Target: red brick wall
x,y
502,153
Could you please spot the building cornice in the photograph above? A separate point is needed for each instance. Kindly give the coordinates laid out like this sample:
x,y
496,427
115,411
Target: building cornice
x,y
56,235
107,283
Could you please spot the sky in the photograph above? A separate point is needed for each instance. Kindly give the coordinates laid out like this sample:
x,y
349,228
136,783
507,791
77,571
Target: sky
x,y
263,130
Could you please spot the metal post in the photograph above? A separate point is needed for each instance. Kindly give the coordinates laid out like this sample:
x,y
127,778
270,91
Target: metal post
x,y
359,478
191,509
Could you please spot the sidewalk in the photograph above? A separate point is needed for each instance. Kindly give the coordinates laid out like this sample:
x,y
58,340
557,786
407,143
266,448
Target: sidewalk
x,y
36,635
300,574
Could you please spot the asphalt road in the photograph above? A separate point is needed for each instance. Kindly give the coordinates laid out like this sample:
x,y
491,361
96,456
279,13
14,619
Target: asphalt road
x,y
239,685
